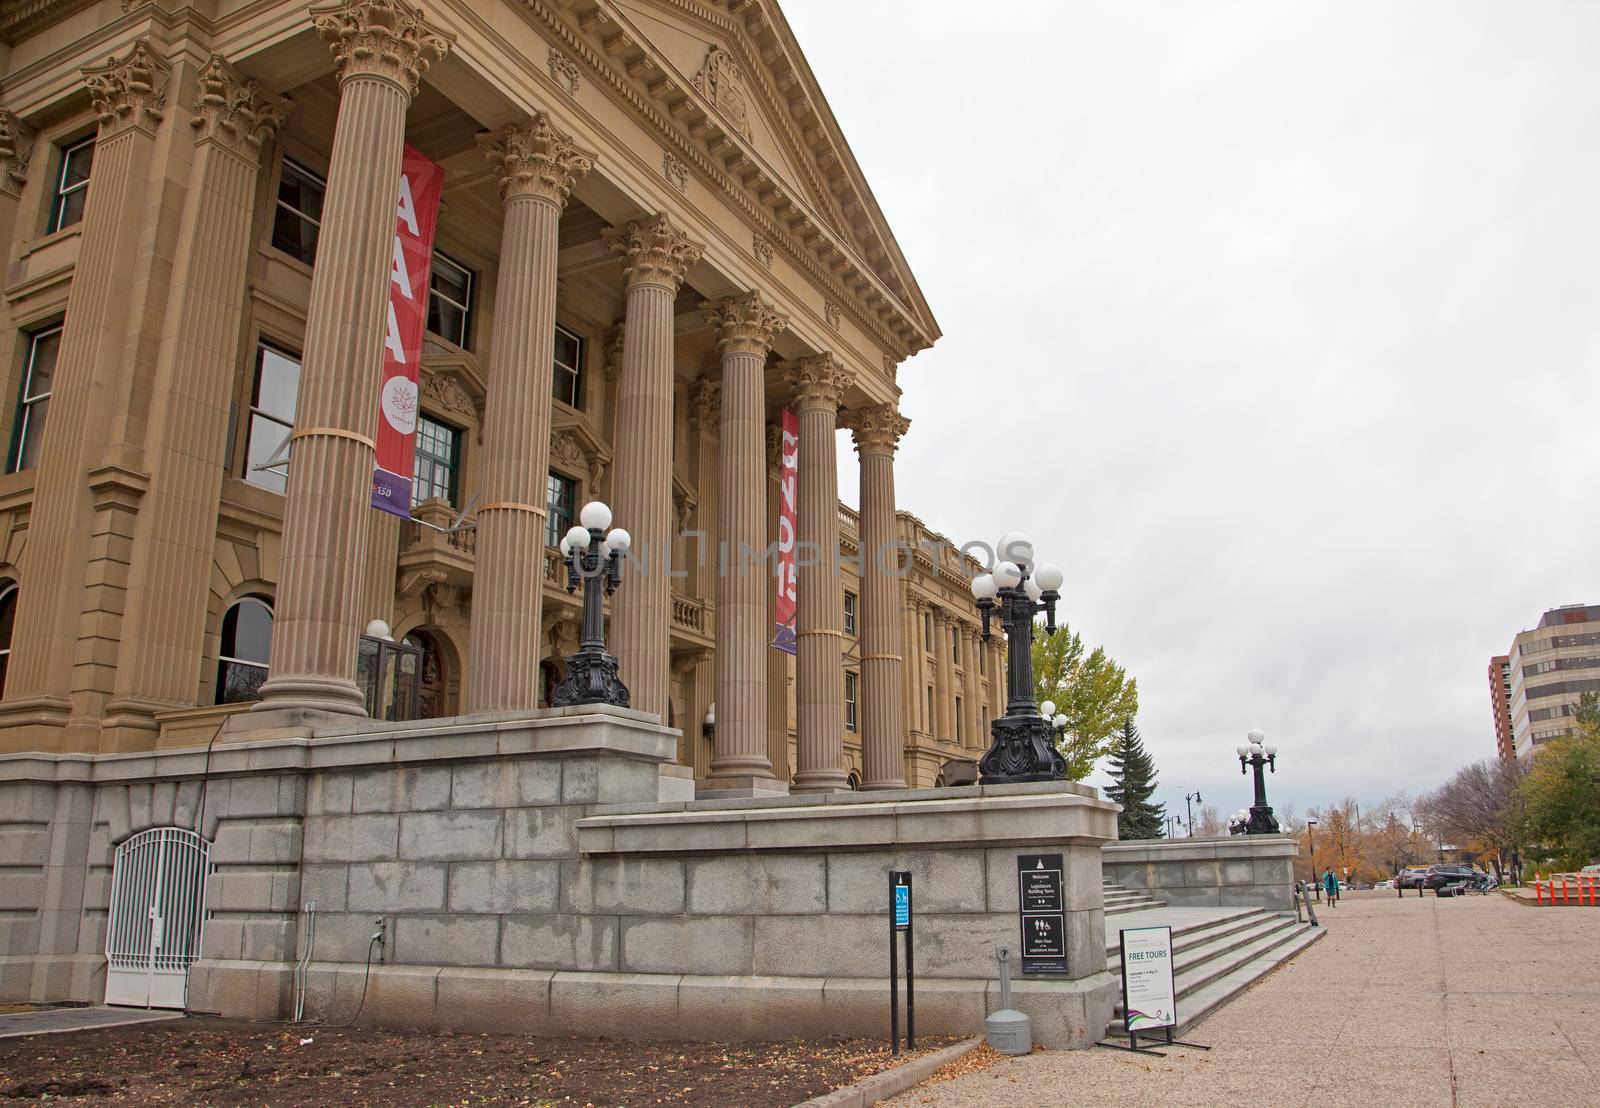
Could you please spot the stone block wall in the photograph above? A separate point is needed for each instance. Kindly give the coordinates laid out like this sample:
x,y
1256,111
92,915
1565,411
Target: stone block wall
x,y
1247,871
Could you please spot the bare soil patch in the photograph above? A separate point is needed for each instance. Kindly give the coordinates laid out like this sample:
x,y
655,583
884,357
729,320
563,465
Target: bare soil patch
x,y
212,1061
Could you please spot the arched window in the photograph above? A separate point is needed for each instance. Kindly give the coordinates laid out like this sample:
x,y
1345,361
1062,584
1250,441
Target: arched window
x,y
8,617
434,684
246,648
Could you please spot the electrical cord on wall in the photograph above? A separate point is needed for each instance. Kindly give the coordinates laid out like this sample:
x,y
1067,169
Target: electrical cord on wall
x,y
366,977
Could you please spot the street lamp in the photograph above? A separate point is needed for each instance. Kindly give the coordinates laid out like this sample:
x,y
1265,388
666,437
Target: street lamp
x,y
1311,843
594,557
1187,797
1256,754
1239,823
1023,746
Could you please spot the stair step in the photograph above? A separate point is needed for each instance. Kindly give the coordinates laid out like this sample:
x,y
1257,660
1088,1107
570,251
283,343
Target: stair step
x,y
1190,936
1199,1003
1223,957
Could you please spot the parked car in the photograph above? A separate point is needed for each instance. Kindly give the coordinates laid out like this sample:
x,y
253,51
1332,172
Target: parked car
x,y
1449,873
1384,885
1591,869
1411,877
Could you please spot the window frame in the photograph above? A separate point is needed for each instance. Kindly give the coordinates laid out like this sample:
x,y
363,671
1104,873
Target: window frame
x,y
471,275
553,533
60,190
576,371
25,403
851,697
286,163
252,388
849,612
8,589
225,660
452,464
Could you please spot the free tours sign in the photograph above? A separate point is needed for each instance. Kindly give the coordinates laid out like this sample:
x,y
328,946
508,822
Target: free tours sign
x,y
1148,997
783,637
421,182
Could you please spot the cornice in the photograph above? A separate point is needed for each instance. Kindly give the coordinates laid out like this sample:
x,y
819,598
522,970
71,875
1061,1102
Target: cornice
x,y
602,34
21,18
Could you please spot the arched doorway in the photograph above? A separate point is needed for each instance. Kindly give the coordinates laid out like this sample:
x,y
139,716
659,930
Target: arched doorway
x,y
436,693
157,912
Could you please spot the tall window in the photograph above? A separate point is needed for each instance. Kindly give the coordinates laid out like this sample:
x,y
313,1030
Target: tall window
x,y
8,619
568,385
982,665
958,719
450,300
955,644
273,394
927,631
437,463
849,613
33,402
850,701
297,219
560,505
246,648
932,723
72,185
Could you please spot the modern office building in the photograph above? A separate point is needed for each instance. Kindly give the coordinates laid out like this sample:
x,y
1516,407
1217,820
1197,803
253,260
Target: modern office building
x,y
1550,668
653,238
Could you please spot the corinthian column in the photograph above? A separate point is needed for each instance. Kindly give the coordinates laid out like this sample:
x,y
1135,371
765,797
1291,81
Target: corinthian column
x,y
819,384
746,326
383,47
655,257
164,625
129,95
538,166
877,433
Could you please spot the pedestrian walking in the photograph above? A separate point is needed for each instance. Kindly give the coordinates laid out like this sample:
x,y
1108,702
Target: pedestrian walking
x,y
1330,885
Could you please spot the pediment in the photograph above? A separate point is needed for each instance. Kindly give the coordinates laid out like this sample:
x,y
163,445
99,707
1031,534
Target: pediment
x,y
707,59
576,447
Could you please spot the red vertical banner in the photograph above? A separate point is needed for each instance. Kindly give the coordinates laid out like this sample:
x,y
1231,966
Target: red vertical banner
x,y
788,492
421,183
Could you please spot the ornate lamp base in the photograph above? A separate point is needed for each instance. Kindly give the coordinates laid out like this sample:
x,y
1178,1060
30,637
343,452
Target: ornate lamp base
x,y
591,679
1023,749
1262,822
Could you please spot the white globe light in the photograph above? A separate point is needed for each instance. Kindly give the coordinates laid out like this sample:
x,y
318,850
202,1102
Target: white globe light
x,y
1016,547
1047,709
1242,751
983,586
1050,577
1060,721
1255,736
566,547
1255,748
1006,575
595,515
1031,587
578,538
619,540
378,629
1272,752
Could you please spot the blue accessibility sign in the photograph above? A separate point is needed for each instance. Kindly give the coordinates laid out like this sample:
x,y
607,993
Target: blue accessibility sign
x,y
902,907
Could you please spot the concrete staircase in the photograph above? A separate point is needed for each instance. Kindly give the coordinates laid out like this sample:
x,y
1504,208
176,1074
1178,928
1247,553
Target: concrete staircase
x,y
1217,952
1120,900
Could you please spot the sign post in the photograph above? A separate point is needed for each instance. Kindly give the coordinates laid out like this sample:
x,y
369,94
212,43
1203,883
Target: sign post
x,y
1149,997
900,922
1041,905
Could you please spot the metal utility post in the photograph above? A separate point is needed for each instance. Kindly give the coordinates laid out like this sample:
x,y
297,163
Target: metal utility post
x,y
1187,797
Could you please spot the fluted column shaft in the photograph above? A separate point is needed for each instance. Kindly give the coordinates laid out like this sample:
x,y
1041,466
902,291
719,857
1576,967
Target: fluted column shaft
x,y
746,326
537,166
382,47
164,624
129,97
819,385
656,256
877,431
944,681
970,726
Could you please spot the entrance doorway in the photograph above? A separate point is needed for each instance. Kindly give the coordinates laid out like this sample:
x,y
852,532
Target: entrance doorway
x,y
158,902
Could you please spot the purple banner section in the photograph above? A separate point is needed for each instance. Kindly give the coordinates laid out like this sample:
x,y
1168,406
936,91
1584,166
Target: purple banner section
x,y
391,492
784,640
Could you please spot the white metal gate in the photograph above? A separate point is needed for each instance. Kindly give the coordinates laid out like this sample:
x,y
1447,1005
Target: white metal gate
x,y
158,906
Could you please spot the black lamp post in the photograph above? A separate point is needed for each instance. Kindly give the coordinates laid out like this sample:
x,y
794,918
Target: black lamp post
x,y
1023,746
1257,755
1187,797
595,558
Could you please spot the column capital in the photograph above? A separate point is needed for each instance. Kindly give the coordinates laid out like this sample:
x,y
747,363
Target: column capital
x,y
16,147
234,112
131,91
535,159
386,39
653,251
819,382
705,403
877,429
746,324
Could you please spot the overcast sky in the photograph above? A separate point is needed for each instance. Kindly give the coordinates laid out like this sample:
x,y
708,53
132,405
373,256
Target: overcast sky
x,y
1283,320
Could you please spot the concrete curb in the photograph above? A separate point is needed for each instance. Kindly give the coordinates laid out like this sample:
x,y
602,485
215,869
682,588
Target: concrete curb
x,y
881,1086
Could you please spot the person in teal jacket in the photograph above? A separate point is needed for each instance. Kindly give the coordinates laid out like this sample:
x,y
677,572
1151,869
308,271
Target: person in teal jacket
x,y
1330,885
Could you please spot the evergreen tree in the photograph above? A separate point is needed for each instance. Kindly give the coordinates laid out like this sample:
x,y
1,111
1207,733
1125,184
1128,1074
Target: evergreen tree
x,y
1135,777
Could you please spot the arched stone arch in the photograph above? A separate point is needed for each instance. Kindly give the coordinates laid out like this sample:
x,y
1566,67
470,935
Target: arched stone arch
x,y
449,658
218,608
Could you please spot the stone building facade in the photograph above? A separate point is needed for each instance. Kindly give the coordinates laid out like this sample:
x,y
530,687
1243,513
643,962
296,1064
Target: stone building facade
x,y
653,238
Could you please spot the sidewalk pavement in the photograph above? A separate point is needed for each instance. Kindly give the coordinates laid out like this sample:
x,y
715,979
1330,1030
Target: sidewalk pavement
x,y
45,1021
1462,1001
